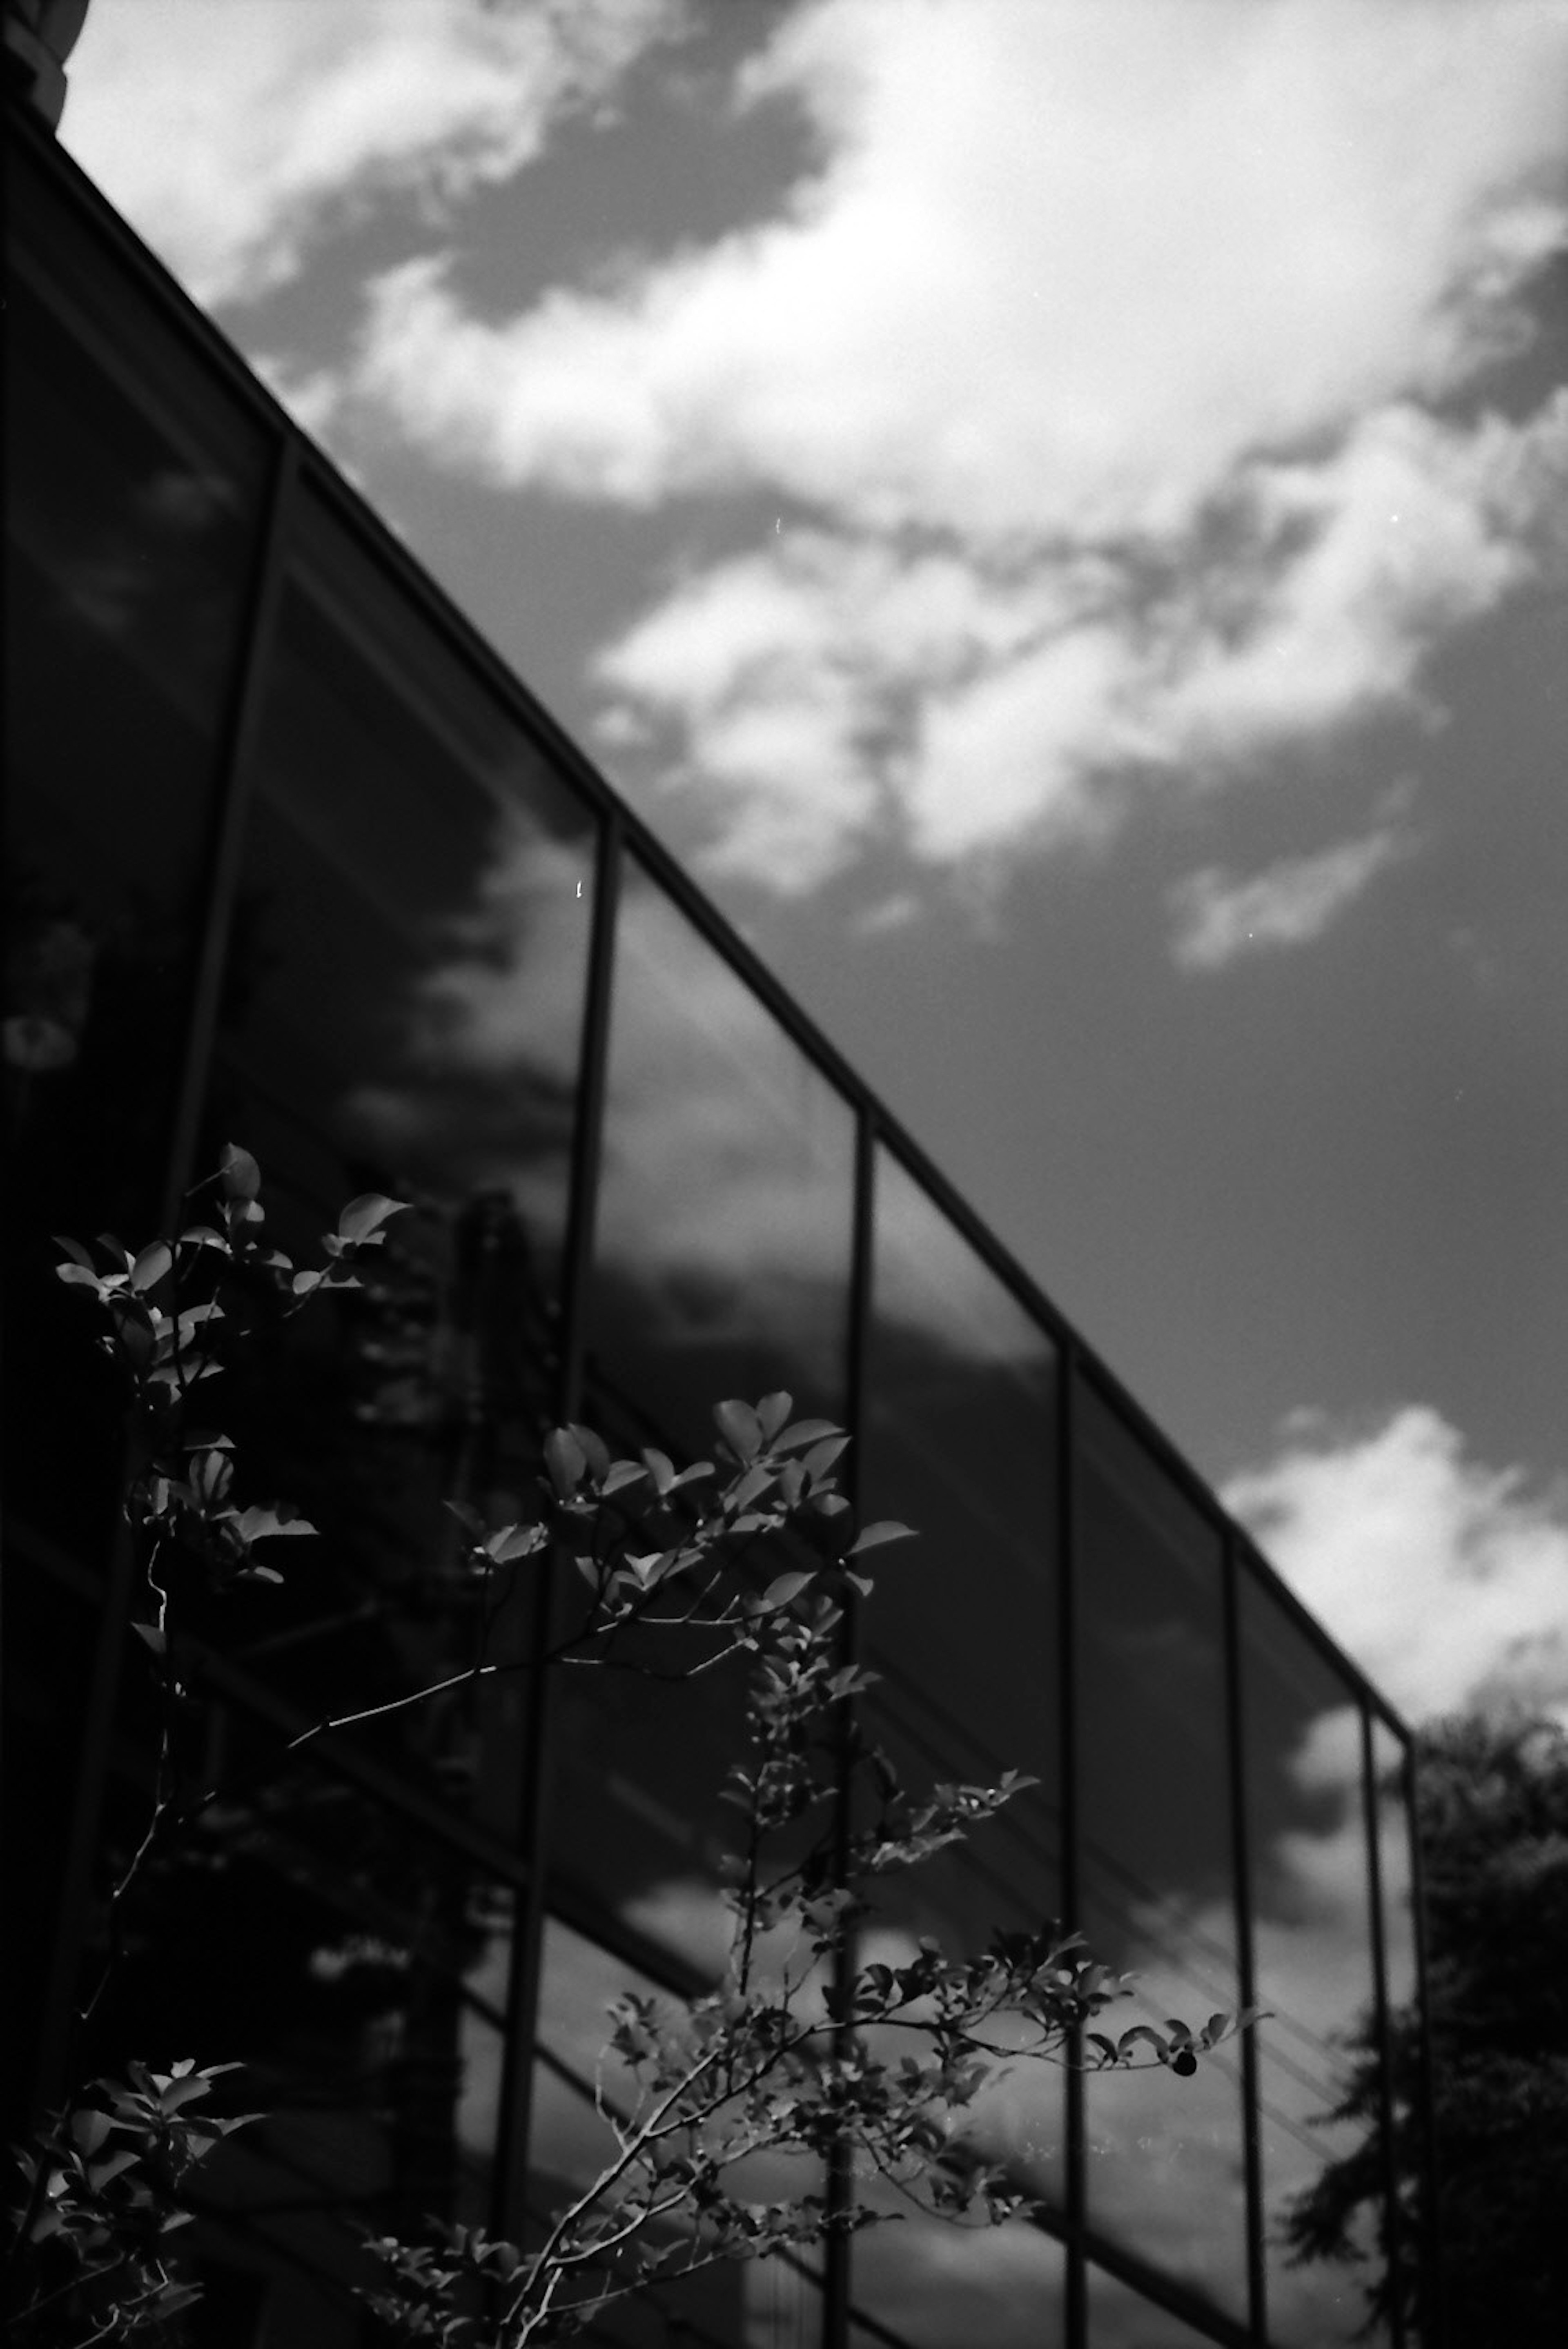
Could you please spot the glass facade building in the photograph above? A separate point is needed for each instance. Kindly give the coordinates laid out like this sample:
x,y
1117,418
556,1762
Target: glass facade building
x,y
295,861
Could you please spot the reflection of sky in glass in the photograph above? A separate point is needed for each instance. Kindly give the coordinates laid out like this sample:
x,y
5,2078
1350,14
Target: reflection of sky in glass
x,y
724,1206
1311,1942
411,948
764,2306
1120,2318
961,1627
935,2285
1166,2171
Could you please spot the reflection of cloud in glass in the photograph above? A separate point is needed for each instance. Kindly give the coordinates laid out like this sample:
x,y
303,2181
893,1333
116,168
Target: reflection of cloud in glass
x,y
929,1280
1313,1970
483,1099
935,2284
726,1190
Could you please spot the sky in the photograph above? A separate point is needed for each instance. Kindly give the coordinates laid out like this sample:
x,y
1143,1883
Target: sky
x,y
1060,513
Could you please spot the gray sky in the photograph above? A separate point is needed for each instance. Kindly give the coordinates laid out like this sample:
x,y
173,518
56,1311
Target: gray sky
x,y
1061,512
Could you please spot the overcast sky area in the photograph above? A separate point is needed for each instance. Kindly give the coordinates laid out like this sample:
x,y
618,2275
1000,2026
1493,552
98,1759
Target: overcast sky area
x,y
1060,513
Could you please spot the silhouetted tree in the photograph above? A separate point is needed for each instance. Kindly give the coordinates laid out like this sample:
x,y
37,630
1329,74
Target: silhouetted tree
x,y
1492,1819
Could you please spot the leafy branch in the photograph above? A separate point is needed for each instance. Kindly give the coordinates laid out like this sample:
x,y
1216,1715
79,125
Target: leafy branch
x,y
800,2050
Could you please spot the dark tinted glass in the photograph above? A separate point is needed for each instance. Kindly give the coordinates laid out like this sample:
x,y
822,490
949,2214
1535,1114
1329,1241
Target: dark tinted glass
x,y
722,1222
962,1628
132,512
358,1970
403,1013
1165,2168
1120,2318
1004,2286
133,497
1311,1942
722,1237
769,2304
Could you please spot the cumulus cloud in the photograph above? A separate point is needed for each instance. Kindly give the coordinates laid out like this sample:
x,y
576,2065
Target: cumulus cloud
x,y
1103,347
274,121
1220,915
1446,1579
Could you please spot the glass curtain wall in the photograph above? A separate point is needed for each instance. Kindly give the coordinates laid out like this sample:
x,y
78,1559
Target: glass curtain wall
x,y
406,901
724,1219
134,501
1312,1951
1166,2167
959,1441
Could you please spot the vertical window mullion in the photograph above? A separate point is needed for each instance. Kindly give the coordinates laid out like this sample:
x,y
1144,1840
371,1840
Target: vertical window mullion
x,y
1077,2308
1243,1902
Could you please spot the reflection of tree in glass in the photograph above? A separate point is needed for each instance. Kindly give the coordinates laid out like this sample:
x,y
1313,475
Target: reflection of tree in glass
x,y
1492,1821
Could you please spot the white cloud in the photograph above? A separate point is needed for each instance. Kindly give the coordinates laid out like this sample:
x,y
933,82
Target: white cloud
x,y
1099,355
1099,346
1220,916
1446,1579
1060,268
232,133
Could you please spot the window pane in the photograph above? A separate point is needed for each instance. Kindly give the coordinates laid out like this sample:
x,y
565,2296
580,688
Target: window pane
x,y
722,1237
1120,2318
725,1195
766,2304
133,492
1003,2286
961,1629
403,1008
1311,1930
1165,2172
358,1970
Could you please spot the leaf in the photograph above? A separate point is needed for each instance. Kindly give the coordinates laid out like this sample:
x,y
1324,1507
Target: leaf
x,y
740,1428
76,1274
90,2129
156,1640
184,2091
514,1541
593,1452
262,1524
755,1481
201,1236
304,1282
772,1413
211,1474
150,1266
784,1587
564,1459
659,1466
362,1218
886,1529
819,1460
240,1175
77,1253
104,2173
622,1473
805,1431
